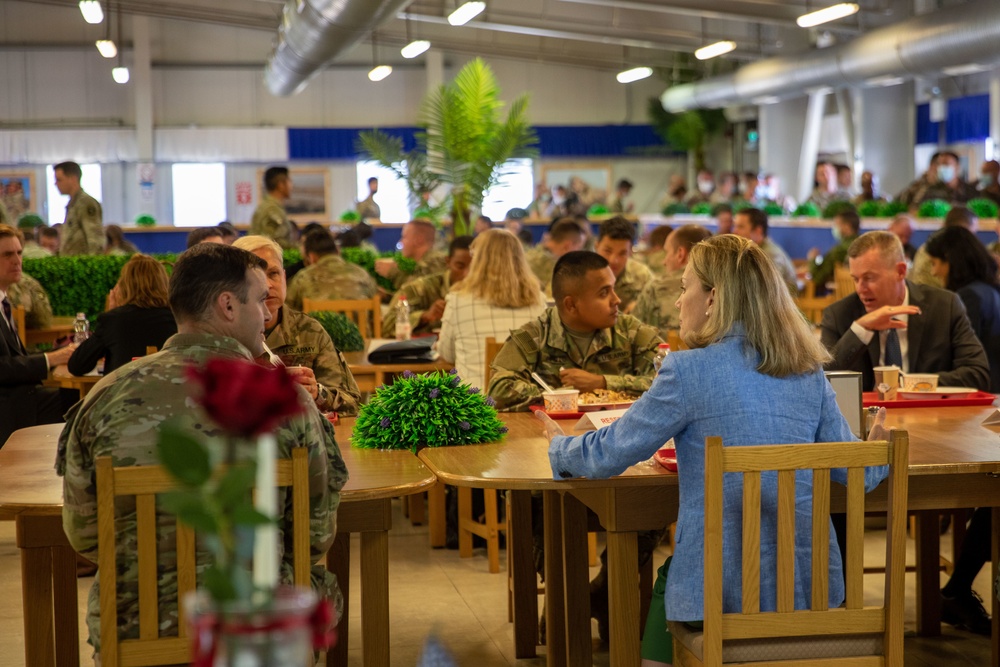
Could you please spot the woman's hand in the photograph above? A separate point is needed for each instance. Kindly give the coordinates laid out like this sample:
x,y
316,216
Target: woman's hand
x,y
878,430
113,298
551,429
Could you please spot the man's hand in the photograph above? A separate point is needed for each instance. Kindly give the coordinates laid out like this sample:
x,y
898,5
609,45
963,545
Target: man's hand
x,y
878,430
884,317
60,356
434,313
385,266
305,377
582,380
813,254
551,429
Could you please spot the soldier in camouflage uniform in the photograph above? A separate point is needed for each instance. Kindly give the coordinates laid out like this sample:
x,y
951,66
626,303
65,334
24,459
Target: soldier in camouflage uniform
x,y
120,417
417,240
83,230
270,218
29,293
583,343
942,180
5,216
327,275
657,305
565,235
302,344
425,296
615,239
653,257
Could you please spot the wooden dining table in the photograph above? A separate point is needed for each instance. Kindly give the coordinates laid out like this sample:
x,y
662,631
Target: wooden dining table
x,y
31,495
954,463
61,377
370,376
59,328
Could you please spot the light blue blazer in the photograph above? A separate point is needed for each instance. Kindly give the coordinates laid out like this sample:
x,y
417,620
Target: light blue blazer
x,y
718,391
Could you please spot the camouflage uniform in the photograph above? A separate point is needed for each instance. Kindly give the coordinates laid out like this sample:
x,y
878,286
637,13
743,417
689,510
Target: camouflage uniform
x,y
656,306
542,263
420,295
302,341
654,262
270,220
83,231
922,190
119,418
921,271
32,250
5,216
368,209
623,355
330,278
629,284
782,262
29,293
433,262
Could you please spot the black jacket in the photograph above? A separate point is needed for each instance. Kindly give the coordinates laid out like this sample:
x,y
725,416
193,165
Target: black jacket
x,y
120,335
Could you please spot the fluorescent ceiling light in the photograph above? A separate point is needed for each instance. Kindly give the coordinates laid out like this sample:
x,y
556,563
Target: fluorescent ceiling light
x,y
380,72
767,99
120,74
827,14
885,81
714,50
414,48
107,48
466,13
968,68
91,10
634,74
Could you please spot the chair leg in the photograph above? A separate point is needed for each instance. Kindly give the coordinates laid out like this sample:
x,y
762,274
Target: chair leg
x,y
592,549
417,513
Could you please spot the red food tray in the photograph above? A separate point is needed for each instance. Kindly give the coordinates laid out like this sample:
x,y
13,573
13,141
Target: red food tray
x,y
870,398
556,415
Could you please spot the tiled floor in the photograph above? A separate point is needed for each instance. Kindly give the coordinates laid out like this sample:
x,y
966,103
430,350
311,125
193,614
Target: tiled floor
x,y
434,591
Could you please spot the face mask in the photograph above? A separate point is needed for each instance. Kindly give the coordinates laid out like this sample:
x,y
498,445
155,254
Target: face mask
x,y
985,181
705,187
946,173
762,192
837,236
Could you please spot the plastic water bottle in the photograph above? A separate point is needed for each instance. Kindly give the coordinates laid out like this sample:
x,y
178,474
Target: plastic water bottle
x,y
402,319
81,328
661,353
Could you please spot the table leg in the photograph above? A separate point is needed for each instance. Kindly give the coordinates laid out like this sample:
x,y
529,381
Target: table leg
x,y
928,547
416,504
36,596
66,605
579,645
994,602
436,515
525,580
623,590
338,561
375,597
555,614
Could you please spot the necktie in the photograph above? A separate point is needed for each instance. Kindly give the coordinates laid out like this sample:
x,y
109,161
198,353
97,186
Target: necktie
x,y
893,355
7,314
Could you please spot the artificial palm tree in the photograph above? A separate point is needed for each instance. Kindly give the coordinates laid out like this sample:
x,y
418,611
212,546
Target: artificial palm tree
x,y
464,143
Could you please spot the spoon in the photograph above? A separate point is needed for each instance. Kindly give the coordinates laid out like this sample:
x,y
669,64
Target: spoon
x,y
540,381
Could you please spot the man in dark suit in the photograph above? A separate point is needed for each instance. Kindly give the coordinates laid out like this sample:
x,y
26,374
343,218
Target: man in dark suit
x,y
23,400
891,321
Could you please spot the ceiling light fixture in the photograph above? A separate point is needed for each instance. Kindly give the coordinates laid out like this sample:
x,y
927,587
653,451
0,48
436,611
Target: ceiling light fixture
x,y
714,50
414,48
107,48
466,13
634,74
91,10
120,74
827,14
379,72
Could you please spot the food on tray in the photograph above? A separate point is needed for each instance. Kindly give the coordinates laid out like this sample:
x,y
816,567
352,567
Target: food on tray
x,y
605,396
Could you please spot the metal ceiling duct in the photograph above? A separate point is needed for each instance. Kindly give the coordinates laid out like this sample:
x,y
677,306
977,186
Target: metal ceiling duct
x,y
313,32
919,46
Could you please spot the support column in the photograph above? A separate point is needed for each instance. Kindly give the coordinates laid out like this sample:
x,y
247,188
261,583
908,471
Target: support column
x,y
845,105
778,124
810,143
993,151
887,135
142,87
434,66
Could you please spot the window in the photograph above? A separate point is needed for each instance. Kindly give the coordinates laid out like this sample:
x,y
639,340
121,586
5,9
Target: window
x,y
55,203
515,189
199,194
393,194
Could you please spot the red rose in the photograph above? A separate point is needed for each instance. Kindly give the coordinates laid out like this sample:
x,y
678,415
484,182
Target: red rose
x,y
244,398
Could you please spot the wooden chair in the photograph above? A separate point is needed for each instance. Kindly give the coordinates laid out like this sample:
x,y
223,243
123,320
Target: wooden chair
x,y
366,313
151,349
852,635
844,284
143,483
17,313
812,306
674,338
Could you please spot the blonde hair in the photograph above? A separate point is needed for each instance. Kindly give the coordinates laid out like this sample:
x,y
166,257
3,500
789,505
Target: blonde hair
x,y
499,273
143,283
889,246
255,242
750,292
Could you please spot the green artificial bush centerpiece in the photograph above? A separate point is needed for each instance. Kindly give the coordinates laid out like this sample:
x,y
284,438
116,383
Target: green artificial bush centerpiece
x,y
835,208
891,209
934,208
145,220
366,260
675,209
869,209
597,209
774,208
702,208
433,409
983,207
345,334
350,216
806,210
741,205
290,256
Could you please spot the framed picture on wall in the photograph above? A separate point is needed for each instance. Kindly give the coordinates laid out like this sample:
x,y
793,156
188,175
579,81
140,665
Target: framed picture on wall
x,y
310,194
590,181
18,194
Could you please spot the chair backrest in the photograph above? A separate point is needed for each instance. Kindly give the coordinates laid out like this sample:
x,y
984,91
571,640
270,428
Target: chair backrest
x,y
144,483
151,349
819,620
492,348
674,338
18,314
366,313
843,281
812,306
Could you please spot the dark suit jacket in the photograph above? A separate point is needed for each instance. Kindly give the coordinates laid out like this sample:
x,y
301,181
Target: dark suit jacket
x,y
940,340
22,398
120,335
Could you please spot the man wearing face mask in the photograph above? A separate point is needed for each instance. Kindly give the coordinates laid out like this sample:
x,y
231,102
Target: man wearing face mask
x,y
942,180
821,266
705,186
989,186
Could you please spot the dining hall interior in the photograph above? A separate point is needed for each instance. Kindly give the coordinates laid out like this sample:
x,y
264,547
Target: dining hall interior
x,y
640,121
